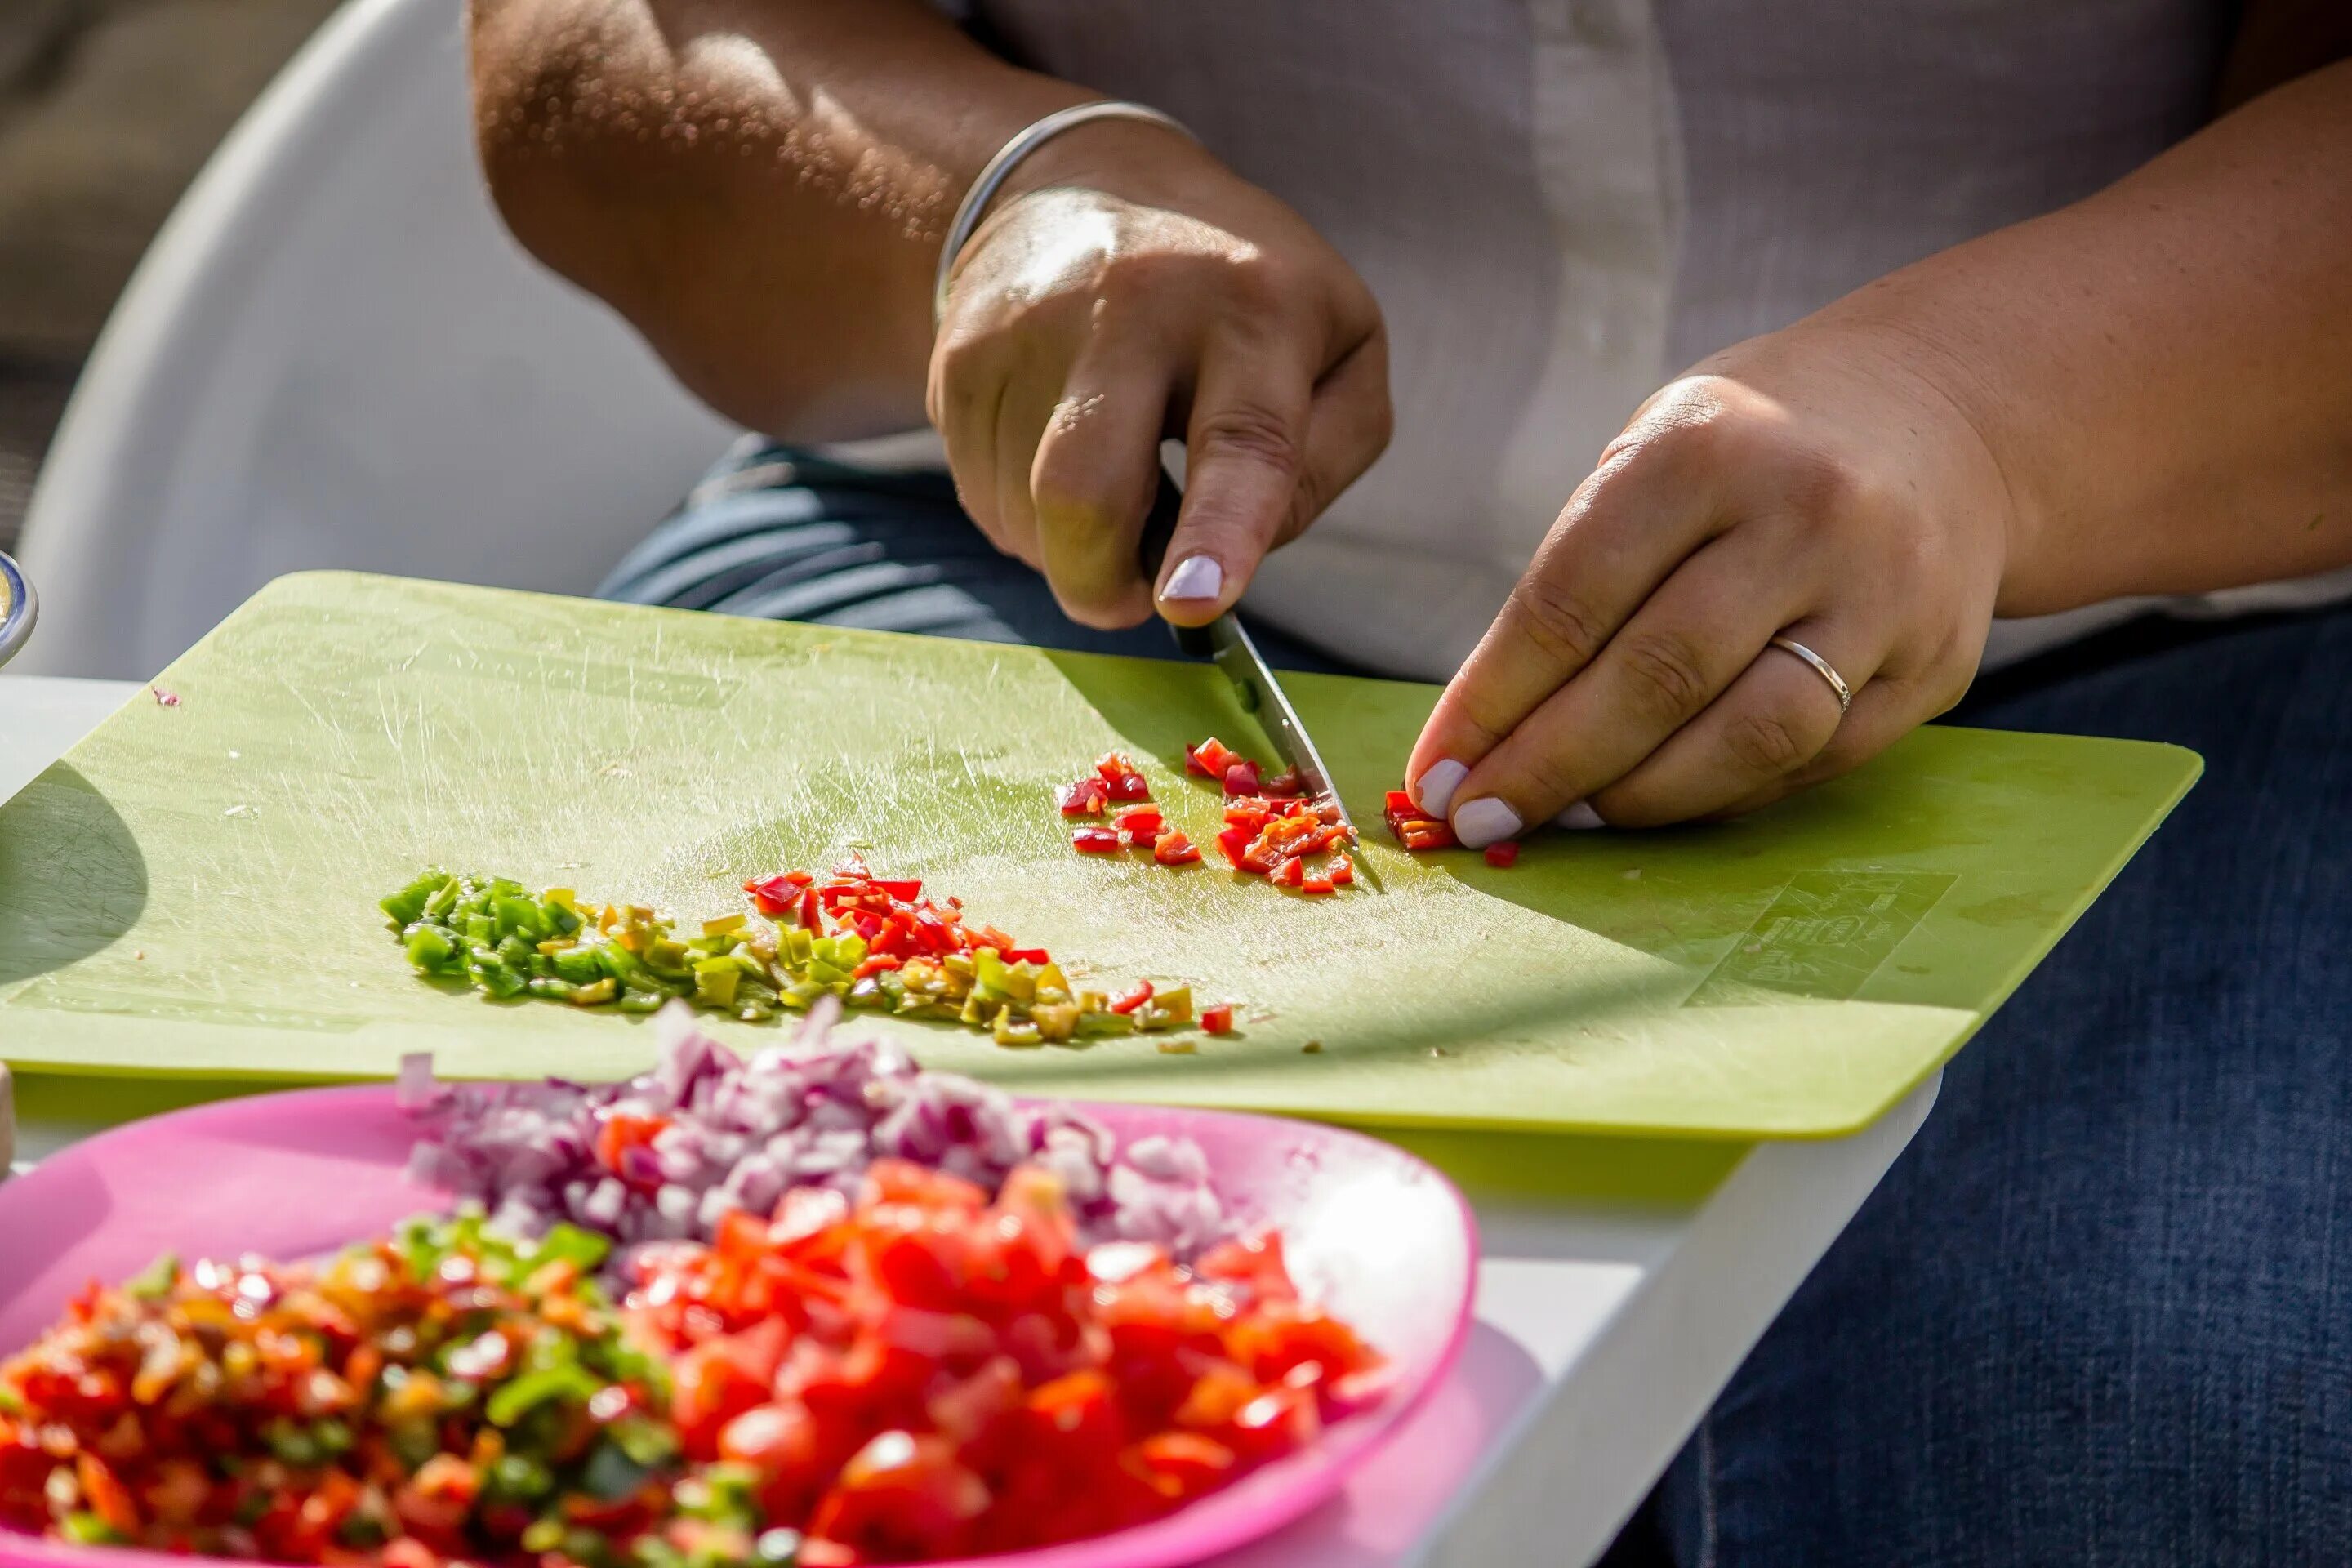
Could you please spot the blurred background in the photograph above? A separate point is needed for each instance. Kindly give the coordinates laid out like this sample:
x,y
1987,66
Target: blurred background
x,y
108,108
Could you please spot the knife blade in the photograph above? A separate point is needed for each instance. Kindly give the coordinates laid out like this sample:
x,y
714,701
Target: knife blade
x,y
1226,643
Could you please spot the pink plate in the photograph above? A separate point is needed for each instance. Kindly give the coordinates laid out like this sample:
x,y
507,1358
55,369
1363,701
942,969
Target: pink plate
x,y
1376,1235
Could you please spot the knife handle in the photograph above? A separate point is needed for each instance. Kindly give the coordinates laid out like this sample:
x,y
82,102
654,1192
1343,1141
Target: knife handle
x,y
1152,553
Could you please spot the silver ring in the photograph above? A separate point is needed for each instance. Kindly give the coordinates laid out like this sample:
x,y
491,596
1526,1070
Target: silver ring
x,y
1821,667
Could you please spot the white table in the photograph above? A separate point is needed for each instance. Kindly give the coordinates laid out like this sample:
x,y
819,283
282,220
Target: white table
x,y
1605,1324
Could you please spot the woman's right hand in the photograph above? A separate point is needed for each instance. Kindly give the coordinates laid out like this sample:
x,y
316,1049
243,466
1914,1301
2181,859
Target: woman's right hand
x,y
1128,287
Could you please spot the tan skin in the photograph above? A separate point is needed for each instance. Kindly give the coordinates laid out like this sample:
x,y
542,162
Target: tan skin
x,y
2144,393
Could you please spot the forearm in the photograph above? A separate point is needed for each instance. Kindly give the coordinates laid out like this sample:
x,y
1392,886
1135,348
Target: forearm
x,y
760,186
2160,371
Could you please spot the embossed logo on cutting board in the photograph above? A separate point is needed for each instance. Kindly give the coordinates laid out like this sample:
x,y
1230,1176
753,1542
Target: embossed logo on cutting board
x,y
1824,937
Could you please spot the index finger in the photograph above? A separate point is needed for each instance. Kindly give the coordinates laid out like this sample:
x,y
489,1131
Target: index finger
x,y
1624,532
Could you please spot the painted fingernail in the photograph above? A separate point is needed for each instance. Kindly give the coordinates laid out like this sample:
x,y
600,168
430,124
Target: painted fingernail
x,y
1195,577
1485,821
1579,816
1434,791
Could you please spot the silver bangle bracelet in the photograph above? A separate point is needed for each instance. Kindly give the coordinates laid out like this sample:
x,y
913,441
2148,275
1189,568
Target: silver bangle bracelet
x,y
1027,140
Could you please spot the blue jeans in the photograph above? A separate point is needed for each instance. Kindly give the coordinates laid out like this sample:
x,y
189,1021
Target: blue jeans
x,y
2092,1317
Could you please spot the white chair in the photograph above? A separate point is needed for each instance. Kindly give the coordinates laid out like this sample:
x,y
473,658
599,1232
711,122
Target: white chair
x,y
334,356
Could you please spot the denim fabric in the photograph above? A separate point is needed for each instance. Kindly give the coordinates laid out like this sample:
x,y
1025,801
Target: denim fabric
x,y
2094,1314
784,535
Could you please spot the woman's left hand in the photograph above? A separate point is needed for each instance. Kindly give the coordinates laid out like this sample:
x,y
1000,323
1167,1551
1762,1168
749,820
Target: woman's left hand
x,y
1812,484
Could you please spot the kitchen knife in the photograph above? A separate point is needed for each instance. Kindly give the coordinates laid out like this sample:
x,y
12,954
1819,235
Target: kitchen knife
x,y
1227,644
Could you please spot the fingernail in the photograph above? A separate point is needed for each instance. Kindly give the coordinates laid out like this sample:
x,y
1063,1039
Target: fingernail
x,y
1195,577
1434,791
1485,821
1578,816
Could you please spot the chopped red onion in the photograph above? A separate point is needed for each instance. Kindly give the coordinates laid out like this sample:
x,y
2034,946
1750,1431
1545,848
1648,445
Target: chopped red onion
x,y
813,1114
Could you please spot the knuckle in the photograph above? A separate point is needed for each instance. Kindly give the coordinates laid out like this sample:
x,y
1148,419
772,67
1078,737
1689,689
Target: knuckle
x,y
1550,777
1253,432
1665,673
1562,626
1764,744
1259,285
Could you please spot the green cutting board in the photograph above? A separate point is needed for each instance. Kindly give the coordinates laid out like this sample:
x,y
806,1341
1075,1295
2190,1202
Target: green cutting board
x,y
192,890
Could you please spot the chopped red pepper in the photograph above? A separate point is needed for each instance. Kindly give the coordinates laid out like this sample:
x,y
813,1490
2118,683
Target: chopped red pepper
x,y
1174,849
1415,828
1343,870
1025,955
1420,835
1291,873
1317,885
1241,778
1129,786
1502,854
1095,841
873,965
905,890
1087,797
810,919
1236,843
1285,784
771,895
1133,999
1217,1018
1210,759
1143,823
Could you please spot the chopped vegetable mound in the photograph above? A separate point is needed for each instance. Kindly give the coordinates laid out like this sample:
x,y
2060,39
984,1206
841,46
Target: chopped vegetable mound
x,y
665,1155
950,1326
872,941
444,1394
929,1370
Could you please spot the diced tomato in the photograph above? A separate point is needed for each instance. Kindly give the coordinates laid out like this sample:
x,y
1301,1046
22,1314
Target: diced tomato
x,y
1217,1018
1172,848
1133,999
620,1133
1190,1463
1503,854
901,1497
1095,841
1241,778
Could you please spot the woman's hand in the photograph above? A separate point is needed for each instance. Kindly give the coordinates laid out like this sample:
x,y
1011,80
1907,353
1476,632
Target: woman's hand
x,y
1130,288
1813,484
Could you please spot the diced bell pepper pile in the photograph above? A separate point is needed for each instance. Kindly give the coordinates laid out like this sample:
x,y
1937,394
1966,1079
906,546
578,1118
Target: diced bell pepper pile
x,y
443,1396
1117,782
872,941
1272,828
